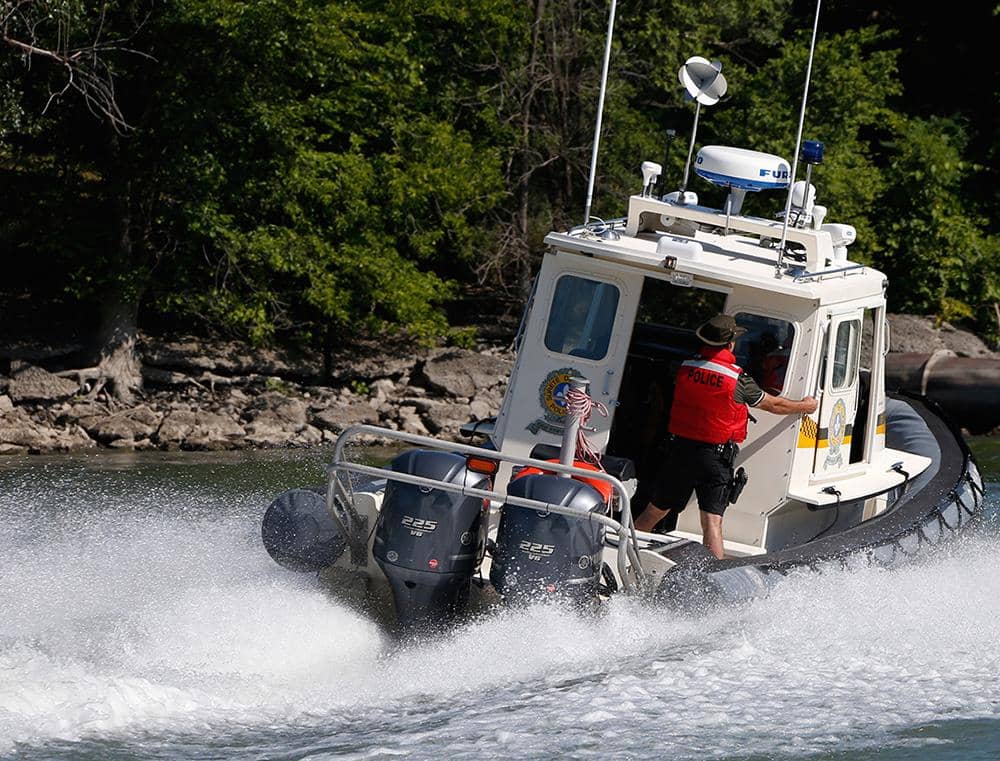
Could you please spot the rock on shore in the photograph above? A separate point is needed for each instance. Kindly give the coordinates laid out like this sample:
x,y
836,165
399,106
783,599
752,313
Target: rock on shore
x,y
910,334
213,395
216,395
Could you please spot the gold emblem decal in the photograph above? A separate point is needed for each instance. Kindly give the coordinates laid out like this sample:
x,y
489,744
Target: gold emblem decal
x,y
835,435
552,398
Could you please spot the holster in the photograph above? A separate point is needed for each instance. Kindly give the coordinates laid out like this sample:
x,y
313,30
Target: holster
x,y
736,484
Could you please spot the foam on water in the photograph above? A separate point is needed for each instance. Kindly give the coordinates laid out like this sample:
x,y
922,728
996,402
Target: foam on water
x,y
153,611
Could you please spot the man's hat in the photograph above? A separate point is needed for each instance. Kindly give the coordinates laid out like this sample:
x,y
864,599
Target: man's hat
x,y
720,330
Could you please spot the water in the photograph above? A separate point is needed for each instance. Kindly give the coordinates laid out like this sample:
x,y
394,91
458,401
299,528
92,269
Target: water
x,y
141,619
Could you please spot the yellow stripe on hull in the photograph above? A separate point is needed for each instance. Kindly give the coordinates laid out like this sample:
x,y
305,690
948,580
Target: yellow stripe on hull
x,y
808,433
807,442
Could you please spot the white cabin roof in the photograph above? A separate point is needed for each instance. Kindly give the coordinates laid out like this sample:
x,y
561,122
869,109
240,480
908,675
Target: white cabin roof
x,y
700,246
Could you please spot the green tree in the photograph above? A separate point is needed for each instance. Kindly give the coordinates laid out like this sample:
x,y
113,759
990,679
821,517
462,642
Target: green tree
x,y
547,96
937,249
331,186
901,180
287,169
300,169
64,57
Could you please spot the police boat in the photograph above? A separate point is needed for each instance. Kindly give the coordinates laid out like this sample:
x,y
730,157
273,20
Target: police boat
x,y
539,503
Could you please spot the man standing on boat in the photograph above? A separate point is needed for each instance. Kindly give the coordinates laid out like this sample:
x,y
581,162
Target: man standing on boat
x,y
708,421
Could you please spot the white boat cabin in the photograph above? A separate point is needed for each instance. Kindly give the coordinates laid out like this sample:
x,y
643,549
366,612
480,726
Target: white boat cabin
x,y
617,305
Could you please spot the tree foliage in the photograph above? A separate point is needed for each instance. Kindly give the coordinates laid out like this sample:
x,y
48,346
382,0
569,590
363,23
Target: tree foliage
x,y
330,189
300,169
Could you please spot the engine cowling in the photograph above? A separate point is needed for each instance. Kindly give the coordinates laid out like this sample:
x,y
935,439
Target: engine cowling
x,y
428,541
541,553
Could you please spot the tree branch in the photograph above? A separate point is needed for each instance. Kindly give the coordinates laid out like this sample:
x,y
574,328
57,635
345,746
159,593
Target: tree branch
x,y
27,23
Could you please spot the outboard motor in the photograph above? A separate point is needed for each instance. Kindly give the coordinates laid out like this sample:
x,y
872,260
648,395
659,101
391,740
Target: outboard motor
x,y
429,542
539,553
299,532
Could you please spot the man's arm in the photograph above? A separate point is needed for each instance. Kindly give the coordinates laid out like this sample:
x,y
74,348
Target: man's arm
x,y
780,405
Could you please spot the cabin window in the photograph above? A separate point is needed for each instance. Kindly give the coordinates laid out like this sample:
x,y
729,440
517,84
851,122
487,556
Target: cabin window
x,y
845,354
764,350
582,317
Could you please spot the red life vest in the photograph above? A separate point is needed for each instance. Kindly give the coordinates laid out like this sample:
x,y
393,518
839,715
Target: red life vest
x,y
703,408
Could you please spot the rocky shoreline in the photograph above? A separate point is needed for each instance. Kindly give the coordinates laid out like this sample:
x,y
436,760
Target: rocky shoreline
x,y
214,395
217,395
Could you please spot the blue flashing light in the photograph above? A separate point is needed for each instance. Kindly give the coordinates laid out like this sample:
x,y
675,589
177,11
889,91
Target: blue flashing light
x,y
812,152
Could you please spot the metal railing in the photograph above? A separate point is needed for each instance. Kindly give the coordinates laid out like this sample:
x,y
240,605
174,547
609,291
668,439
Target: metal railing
x,y
847,269
339,497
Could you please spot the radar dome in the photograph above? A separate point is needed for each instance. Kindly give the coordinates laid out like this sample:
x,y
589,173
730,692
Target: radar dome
x,y
741,169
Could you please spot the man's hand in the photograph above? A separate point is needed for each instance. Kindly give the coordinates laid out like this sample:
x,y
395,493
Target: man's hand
x,y
809,405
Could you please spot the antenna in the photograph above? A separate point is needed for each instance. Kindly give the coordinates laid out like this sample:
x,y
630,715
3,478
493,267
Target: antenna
x,y
798,143
668,147
600,113
705,84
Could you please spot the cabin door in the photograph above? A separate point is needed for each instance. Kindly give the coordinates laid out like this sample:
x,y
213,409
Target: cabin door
x,y
837,394
580,323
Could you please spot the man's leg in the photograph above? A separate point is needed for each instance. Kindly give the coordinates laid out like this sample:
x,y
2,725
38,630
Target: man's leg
x,y
713,498
649,517
711,529
674,485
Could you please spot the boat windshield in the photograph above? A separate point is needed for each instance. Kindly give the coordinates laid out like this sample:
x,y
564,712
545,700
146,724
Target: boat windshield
x,y
581,317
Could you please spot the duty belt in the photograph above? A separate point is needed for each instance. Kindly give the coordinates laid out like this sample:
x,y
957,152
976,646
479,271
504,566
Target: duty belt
x,y
695,442
729,449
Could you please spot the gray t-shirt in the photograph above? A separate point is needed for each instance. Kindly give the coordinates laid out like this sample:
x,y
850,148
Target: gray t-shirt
x,y
747,391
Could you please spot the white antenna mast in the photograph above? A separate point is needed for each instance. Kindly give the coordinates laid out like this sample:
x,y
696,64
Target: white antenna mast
x,y
798,143
600,113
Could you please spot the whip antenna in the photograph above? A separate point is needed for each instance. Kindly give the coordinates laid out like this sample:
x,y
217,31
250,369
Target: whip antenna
x,y
600,113
798,143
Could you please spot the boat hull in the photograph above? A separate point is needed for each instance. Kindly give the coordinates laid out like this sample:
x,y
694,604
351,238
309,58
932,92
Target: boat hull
x,y
935,507
941,502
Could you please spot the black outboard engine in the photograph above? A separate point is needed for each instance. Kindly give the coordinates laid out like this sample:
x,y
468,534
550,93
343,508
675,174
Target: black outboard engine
x,y
429,542
299,532
541,553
